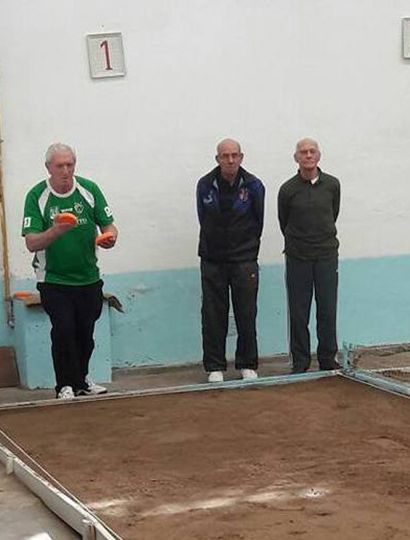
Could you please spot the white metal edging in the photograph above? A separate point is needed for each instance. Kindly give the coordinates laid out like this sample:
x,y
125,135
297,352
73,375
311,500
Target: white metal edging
x,y
372,377
226,385
7,458
378,381
77,516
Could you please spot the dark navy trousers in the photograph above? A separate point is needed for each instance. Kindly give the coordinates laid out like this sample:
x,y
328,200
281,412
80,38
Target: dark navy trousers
x,y
73,312
219,281
303,279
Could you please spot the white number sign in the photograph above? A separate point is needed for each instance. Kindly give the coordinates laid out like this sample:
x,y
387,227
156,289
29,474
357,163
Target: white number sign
x,y
106,55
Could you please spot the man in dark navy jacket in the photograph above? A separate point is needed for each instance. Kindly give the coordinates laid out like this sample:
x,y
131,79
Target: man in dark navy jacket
x,y
308,207
230,204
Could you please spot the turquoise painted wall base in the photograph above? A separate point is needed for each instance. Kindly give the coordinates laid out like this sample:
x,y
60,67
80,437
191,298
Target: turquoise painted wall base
x,y
33,352
161,323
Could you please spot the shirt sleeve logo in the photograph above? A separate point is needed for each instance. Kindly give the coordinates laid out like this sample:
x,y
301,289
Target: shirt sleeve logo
x,y
108,211
27,222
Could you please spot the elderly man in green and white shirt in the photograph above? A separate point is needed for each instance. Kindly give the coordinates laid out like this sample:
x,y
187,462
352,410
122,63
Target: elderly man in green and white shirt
x,y
65,262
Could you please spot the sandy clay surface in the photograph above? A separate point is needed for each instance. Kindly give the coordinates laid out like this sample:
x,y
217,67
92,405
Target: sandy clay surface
x,y
315,460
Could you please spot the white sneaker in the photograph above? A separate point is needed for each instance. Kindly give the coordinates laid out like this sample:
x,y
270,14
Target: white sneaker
x,y
216,376
93,388
249,374
66,393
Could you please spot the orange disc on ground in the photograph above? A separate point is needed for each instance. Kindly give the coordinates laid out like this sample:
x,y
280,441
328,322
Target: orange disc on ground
x,y
102,237
22,294
66,217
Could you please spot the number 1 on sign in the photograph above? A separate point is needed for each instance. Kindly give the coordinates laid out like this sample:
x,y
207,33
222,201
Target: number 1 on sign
x,y
104,45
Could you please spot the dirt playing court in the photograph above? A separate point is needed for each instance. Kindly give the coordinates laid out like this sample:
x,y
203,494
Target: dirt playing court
x,y
314,460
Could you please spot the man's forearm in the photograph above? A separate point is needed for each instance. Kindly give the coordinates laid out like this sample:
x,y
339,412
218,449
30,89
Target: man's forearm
x,y
40,241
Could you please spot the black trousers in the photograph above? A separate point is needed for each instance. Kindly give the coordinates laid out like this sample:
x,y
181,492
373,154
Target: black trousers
x,y
302,278
218,279
73,311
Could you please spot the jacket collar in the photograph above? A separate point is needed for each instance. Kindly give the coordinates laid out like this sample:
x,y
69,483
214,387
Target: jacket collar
x,y
242,174
319,177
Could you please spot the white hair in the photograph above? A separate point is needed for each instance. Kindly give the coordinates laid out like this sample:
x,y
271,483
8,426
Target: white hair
x,y
55,148
306,140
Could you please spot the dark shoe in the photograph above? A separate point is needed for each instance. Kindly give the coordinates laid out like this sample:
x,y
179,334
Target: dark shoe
x,y
299,369
328,366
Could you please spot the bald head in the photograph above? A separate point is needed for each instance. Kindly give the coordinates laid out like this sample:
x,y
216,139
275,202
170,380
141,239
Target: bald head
x,y
228,143
229,157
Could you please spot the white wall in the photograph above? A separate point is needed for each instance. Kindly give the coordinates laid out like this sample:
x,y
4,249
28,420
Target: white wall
x,y
266,72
